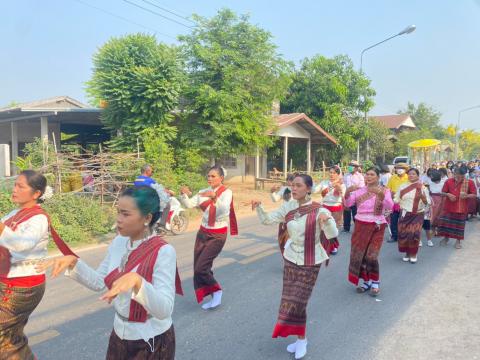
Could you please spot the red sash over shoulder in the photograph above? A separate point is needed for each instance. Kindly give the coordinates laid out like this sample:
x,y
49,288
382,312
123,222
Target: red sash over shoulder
x,y
310,228
20,217
417,186
144,257
212,211
378,206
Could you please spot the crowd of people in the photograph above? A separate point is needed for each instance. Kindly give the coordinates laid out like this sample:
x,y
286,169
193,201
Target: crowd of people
x,y
139,275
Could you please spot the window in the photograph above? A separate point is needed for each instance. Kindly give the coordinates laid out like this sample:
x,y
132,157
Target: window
x,y
228,162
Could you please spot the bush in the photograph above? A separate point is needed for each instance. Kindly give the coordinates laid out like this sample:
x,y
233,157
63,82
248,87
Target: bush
x,y
5,203
79,219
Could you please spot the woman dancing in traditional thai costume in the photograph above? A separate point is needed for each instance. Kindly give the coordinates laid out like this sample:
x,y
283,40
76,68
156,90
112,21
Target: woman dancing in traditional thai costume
x,y
218,213
372,201
23,244
306,222
413,198
332,192
139,272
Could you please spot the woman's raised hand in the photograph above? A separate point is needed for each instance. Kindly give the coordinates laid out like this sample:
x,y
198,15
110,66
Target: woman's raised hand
x,y
58,265
209,194
253,203
127,282
185,190
275,188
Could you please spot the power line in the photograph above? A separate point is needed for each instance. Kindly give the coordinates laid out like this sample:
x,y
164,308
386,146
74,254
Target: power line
x,y
158,14
169,11
124,19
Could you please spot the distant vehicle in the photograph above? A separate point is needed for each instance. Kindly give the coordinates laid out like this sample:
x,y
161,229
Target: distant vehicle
x,y
401,159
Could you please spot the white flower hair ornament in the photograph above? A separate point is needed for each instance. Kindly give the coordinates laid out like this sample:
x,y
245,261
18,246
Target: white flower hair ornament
x,y
224,171
48,194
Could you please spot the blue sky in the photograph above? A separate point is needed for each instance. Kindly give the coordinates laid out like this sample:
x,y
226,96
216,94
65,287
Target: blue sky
x,y
47,46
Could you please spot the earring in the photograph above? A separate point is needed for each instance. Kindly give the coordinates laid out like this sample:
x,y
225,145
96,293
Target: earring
x,y
308,197
146,224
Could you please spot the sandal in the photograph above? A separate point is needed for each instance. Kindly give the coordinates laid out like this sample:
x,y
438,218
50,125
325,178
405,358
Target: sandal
x,y
444,241
363,289
374,291
458,245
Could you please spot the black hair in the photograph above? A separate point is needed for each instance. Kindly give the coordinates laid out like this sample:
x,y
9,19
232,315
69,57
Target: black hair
x,y
290,177
435,176
147,201
384,169
218,169
307,179
374,169
414,169
429,171
443,171
336,169
36,181
461,170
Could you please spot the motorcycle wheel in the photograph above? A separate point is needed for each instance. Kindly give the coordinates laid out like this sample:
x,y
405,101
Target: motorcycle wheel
x,y
179,224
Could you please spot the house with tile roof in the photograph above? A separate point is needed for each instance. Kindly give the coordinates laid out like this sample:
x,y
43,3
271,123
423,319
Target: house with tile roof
x,y
295,129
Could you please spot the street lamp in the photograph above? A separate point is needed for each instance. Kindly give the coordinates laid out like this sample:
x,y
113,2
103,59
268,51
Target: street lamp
x,y
457,134
409,29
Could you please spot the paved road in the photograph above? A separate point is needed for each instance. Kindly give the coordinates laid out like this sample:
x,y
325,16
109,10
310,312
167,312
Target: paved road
x,y
71,323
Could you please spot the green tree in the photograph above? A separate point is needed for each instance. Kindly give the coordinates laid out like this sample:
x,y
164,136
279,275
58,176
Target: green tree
x,y
234,75
138,81
333,94
469,143
427,122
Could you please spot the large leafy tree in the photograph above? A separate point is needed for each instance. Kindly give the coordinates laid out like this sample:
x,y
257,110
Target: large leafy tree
x,y
138,81
235,73
425,118
335,95
469,144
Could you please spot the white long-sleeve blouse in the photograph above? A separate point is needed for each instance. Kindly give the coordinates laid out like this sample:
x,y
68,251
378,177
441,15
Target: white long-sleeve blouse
x,y
157,297
27,244
294,250
222,204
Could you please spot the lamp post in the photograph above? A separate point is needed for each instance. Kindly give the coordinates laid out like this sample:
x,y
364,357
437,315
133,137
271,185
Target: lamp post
x,y
457,129
409,29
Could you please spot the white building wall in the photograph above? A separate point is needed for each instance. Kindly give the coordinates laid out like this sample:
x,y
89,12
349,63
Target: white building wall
x,y
27,131
293,131
4,160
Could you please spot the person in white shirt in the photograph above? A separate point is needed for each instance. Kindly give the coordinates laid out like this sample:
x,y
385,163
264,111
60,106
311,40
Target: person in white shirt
x,y
385,175
23,243
308,224
216,201
332,192
284,193
353,177
413,198
432,212
139,274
